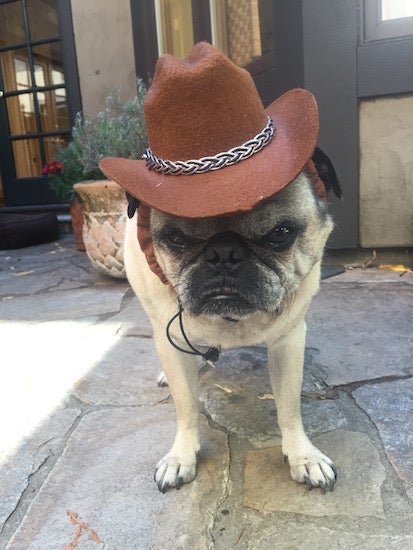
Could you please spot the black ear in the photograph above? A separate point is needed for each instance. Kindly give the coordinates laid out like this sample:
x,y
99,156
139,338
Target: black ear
x,y
327,172
133,205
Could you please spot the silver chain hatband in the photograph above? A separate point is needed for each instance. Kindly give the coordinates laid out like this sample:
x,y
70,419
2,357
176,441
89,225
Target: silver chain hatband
x,y
205,164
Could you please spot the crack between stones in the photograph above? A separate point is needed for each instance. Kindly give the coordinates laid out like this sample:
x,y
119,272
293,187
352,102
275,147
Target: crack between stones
x,y
22,505
385,456
352,386
210,530
35,481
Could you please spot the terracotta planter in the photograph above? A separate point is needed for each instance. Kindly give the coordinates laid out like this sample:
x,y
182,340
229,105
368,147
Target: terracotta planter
x,y
104,209
76,213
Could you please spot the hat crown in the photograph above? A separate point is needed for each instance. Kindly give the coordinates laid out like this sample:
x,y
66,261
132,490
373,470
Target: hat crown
x,y
201,105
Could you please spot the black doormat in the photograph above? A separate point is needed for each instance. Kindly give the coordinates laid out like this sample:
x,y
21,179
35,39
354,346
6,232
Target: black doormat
x,y
20,230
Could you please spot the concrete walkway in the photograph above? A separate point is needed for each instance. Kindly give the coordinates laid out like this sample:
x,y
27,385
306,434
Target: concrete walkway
x,y
83,422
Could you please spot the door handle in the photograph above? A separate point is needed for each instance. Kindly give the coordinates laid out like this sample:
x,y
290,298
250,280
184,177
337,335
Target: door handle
x,y
1,93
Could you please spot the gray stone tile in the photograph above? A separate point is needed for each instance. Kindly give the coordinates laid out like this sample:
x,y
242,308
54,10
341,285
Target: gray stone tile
x,y
105,476
40,362
269,488
62,305
132,319
363,276
240,382
390,406
289,535
18,464
32,279
126,375
350,326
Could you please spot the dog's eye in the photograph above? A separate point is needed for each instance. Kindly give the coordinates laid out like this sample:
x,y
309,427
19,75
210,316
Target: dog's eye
x,y
176,239
282,236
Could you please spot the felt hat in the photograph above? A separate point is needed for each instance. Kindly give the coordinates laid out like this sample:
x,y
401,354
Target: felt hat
x,y
214,149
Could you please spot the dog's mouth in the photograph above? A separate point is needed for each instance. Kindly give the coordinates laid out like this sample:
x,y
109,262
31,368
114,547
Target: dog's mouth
x,y
225,293
226,301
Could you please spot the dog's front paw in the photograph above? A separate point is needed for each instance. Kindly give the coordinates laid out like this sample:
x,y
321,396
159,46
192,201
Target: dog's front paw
x,y
313,468
173,471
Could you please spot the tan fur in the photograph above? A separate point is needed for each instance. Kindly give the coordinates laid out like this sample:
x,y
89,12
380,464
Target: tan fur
x,y
282,331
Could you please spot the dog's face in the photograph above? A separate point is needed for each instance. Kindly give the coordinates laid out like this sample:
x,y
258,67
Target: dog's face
x,y
236,265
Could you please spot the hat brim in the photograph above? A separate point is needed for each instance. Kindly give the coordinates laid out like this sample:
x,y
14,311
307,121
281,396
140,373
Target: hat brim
x,y
235,188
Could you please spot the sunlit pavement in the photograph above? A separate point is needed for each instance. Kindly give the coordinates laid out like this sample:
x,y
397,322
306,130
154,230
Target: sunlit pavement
x,y
83,422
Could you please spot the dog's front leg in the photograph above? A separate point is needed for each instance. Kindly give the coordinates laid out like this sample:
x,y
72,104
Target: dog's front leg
x,y
179,465
286,360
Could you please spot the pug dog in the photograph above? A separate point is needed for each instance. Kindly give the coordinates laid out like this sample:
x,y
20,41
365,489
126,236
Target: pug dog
x,y
238,280
228,223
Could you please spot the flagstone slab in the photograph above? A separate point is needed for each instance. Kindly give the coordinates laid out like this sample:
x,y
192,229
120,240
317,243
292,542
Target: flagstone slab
x,y
64,304
36,268
237,394
367,276
348,324
105,476
20,461
390,406
269,488
290,534
132,319
125,375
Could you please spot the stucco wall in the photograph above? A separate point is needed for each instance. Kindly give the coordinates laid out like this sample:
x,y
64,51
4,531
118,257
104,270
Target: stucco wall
x,y
386,172
104,47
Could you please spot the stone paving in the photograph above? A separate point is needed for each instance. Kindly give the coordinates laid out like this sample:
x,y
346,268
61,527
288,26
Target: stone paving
x,y
83,422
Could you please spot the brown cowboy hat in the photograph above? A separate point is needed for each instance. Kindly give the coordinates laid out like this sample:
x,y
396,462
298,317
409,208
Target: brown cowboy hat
x,y
213,149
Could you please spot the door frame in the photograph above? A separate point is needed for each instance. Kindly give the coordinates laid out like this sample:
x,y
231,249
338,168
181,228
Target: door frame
x,y
35,191
315,48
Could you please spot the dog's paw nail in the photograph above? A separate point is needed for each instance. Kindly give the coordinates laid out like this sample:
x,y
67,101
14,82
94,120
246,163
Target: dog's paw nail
x,y
307,481
162,380
285,459
173,471
314,469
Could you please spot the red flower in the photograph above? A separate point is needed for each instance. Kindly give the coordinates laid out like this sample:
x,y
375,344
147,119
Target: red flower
x,y
52,167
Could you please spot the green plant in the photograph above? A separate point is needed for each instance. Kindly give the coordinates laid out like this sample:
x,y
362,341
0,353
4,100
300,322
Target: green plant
x,y
64,171
118,131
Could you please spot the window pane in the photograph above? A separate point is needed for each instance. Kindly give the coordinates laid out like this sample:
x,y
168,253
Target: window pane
x,y
15,69
48,64
42,19
20,109
27,158
53,110
11,24
396,9
174,26
242,29
51,143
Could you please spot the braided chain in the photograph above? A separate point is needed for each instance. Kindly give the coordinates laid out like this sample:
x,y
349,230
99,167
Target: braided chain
x,y
205,164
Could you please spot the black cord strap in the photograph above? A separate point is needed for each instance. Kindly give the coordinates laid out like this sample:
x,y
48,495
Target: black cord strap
x,y
211,355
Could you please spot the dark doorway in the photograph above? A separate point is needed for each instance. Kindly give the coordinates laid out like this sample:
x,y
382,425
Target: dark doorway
x,y
283,45
243,30
39,94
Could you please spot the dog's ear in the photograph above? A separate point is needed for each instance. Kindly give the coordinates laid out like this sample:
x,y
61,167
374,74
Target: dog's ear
x,y
133,205
327,172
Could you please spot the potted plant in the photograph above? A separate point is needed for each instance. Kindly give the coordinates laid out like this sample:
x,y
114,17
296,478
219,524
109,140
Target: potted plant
x,y
119,131
63,173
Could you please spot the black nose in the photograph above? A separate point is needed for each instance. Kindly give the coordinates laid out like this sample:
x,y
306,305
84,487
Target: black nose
x,y
225,249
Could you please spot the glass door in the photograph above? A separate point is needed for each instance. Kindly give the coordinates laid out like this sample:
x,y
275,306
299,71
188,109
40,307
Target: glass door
x,y
242,29
34,109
